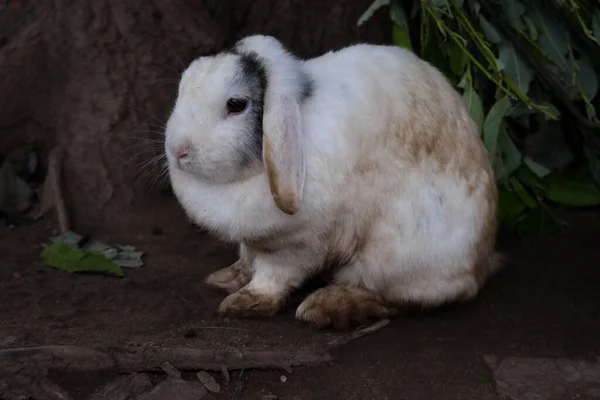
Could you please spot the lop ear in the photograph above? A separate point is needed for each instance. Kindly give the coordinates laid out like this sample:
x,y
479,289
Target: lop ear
x,y
283,152
286,86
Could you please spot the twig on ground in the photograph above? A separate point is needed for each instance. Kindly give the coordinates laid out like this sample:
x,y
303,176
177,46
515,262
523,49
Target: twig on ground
x,y
150,359
227,328
358,333
128,360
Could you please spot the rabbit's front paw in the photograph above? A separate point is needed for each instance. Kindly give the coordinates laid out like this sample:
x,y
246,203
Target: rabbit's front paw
x,y
342,307
249,303
232,278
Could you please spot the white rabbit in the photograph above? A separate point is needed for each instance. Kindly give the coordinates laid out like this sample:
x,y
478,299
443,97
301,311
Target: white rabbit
x,y
362,162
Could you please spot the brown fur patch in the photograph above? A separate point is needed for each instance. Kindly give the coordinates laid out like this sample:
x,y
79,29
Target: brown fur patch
x,y
285,201
364,166
435,140
347,240
232,278
342,307
247,304
271,243
264,246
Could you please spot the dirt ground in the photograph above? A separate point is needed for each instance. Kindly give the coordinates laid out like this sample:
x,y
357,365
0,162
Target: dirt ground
x,y
546,303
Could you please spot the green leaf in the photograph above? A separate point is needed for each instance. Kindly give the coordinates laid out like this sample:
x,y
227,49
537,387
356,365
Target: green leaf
x,y
400,29
587,78
511,155
397,15
499,65
122,255
523,193
514,10
464,81
492,123
520,109
596,24
70,259
508,157
499,171
514,66
376,5
536,168
432,52
570,192
458,60
527,177
401,37
489,30
550,109
533,32
554,39
475,107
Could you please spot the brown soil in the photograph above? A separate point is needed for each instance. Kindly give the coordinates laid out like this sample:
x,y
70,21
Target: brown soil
x,y
546,303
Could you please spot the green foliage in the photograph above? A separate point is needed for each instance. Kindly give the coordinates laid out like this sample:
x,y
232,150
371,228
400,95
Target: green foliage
x,y
70,259
528,71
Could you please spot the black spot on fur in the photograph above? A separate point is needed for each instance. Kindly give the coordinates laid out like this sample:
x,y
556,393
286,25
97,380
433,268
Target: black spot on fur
x,y
308,84
253,74
308,87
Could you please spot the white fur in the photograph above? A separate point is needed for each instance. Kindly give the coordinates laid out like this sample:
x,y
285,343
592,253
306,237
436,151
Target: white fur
x,y
418,247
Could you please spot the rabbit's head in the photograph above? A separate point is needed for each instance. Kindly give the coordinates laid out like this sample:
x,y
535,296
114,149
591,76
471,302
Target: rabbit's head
x,y
237,114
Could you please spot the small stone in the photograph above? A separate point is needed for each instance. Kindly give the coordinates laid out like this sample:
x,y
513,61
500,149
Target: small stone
x,y
547,379
209,382
170,370
225,374
283,378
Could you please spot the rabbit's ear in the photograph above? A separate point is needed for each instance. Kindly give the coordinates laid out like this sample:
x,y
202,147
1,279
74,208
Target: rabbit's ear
x,y
286,87
283,152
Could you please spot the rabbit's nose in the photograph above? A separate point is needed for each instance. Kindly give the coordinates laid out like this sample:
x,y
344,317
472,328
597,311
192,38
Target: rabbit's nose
x,y
181,150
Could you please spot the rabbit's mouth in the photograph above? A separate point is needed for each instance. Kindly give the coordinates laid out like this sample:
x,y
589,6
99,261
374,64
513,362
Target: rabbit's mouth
x,y
189,165
208,169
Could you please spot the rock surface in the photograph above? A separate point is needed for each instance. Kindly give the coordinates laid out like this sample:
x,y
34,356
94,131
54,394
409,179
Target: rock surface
x,y
520,378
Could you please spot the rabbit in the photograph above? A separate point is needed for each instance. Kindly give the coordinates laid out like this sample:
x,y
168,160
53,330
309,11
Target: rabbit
x,y
362,162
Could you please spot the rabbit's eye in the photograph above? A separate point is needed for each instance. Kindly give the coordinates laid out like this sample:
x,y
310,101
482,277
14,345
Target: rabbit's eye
x,y
236,106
